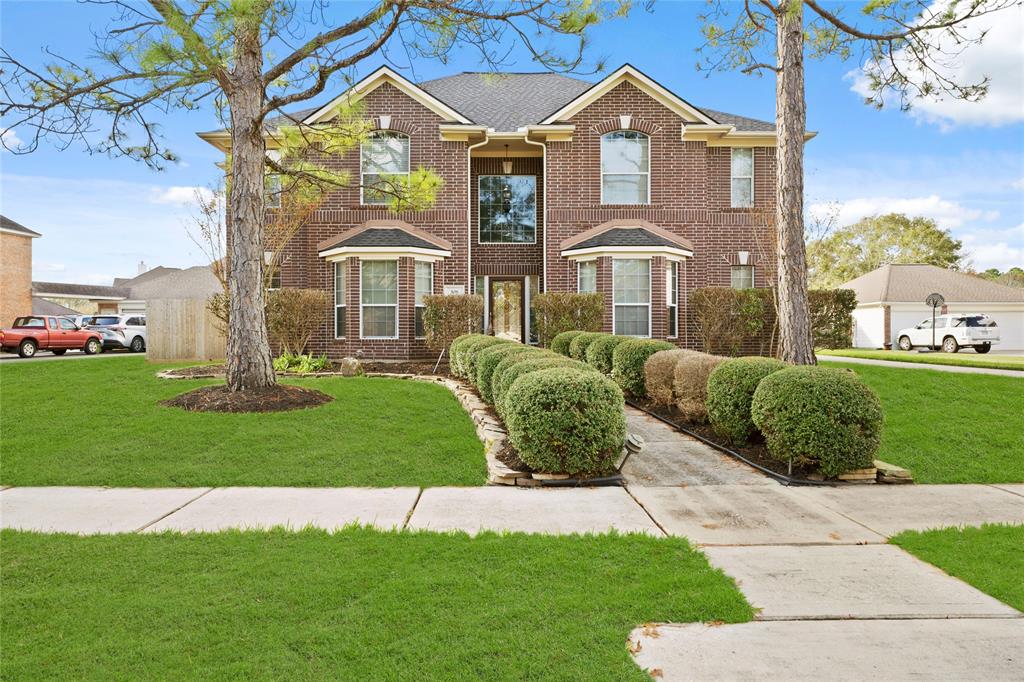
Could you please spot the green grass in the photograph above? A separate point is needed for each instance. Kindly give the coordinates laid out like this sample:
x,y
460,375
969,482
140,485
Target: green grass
x,y
356,605
949,428
90,422
990,558
963,359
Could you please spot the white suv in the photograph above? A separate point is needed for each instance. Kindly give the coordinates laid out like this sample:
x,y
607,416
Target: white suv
x,y
120,331
952,332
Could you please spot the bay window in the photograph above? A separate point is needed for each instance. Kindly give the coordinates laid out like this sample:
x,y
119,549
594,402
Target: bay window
x,y
379,299
742,177
424,287
339,299
586,277
742,277
625,168
508,209
672,298
384,162
631,294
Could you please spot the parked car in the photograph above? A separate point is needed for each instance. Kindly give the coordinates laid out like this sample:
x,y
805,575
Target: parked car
x,y
952,332
80,320
34,333
121,331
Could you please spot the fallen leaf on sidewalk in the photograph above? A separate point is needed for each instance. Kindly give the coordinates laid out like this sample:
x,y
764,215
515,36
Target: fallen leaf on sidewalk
x,y
655,672
651,630
633,647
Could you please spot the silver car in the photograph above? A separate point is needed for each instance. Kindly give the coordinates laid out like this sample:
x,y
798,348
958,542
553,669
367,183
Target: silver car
x,y
121,331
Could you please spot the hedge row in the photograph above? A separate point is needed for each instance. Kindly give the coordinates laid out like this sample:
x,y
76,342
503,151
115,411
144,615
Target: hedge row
x,y
622,357
562,416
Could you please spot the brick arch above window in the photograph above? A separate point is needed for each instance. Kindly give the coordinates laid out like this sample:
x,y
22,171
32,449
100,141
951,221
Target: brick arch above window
x,y
638,124
395,125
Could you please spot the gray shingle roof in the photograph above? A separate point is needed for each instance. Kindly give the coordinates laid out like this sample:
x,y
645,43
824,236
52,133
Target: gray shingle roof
x,y
40,306
77,290
625,236
911,283
741,122
195,282
8,224
384,236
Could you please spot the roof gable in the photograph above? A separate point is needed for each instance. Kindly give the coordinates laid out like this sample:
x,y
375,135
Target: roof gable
x,y
8,225
912,282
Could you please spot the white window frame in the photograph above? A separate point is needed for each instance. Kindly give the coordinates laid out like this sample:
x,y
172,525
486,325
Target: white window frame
x,y
579,266
647,172
753,277
479,217
733,176
415,283
362,173
650,276
672,296
344,293
395,305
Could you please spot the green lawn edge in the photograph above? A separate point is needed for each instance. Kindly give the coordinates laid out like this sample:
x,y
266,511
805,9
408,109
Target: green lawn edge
x,y
1015,363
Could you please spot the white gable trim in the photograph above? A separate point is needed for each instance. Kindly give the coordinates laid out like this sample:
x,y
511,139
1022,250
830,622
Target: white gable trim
x,y
375,80
628,73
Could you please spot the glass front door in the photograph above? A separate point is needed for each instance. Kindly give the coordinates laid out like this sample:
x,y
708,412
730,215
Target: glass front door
x,y
506,306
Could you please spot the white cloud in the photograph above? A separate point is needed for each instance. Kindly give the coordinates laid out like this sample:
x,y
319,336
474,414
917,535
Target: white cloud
x,y
9,138
949,215
179,196
995,248
1000,57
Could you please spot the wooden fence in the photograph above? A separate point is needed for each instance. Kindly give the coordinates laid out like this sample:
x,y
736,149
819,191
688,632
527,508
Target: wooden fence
x,y
182,329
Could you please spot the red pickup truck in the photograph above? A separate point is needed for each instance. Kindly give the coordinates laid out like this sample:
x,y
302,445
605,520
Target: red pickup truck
x,y
44,332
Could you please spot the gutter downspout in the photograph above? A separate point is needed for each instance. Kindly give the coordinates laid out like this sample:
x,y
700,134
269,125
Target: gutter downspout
x,y
544,170
469,217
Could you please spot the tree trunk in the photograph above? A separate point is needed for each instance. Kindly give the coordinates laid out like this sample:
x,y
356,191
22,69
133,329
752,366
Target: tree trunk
x,y
249,361
796,344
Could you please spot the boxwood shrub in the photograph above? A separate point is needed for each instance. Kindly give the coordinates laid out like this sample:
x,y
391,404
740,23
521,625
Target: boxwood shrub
x,y
488,360
628,363
578,346
600,351
660,374
690,387
731,391
560,344
818,416
455,352
504,377
470,353
562,420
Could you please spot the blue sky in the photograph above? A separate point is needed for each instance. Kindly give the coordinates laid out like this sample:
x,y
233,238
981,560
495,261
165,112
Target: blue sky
x,y
962,164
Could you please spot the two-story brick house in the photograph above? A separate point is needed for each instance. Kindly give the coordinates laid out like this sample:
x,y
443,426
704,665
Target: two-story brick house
x,y
550,184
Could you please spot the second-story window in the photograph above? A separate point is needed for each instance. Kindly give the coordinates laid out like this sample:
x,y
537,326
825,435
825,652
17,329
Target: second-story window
x,y
625,168
384,166
742,177
508,209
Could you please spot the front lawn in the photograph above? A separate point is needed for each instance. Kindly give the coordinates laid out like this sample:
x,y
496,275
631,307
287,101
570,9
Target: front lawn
x,y
949,428
964,358
990,558
82,422
357,605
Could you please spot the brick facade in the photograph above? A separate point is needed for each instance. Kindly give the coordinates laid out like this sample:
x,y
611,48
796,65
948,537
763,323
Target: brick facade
x,y
689,192
15,277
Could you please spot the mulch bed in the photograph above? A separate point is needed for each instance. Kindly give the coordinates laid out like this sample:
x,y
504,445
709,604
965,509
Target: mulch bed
x,y
754,451
198,371
510,458
406,367
279,398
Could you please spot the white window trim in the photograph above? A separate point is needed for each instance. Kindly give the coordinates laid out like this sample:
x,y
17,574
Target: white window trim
x,y
362,181
753,276
647,172
479,221
732,195
344,303
431,291
650,278
579,264
673,267
398,300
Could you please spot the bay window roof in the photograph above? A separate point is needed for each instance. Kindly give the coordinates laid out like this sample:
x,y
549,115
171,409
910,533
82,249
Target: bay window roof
x,y
383,237
626,236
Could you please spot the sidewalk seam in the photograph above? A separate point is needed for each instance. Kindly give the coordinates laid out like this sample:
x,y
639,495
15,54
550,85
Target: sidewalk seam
x,y
173,511
415,503
646,511
1003,490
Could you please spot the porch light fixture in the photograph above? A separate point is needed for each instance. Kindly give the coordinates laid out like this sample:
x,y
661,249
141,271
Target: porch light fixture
x,y
506,165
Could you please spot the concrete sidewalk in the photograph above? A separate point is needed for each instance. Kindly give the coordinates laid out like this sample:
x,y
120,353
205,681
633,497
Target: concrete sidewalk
x,y
956,369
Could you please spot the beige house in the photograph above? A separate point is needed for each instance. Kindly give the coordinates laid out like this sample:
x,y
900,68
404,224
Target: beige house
x,y
15,270
892,298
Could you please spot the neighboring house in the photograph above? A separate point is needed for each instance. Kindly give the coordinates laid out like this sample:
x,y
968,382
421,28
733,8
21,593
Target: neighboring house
x,y
40,306
129,295
550,184
86,298
15,270
892,298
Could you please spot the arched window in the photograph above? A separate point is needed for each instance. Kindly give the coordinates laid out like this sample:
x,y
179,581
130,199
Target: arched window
x,y
625,168
384,163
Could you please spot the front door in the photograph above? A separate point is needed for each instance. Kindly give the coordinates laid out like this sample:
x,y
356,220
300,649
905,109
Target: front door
x,y
507,308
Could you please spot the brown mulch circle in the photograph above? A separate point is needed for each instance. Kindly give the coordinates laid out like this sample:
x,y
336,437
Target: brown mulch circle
x,y
198,371
279,398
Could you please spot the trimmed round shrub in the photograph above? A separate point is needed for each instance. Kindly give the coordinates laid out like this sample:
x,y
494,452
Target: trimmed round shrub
x,y
818,416
470,353
660,374
504,380
560,344
488,360
565,421
628,361
455,352
690,385
578,346
731,388
600,351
